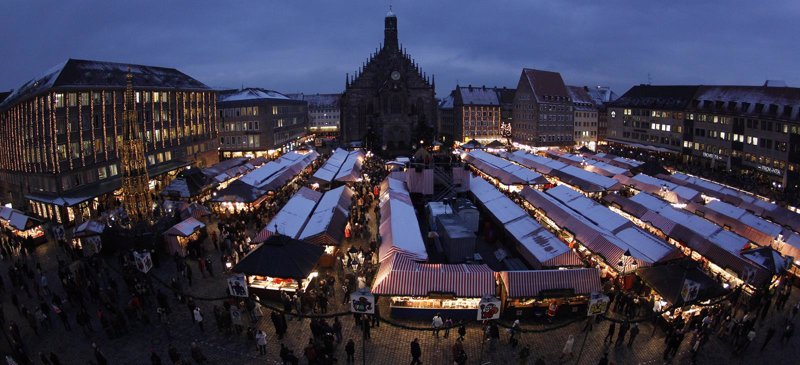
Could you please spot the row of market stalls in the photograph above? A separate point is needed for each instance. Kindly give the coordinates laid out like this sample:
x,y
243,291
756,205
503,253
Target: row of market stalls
x,y
666,190
624,162
599,234
698,237
342,166
583,161
193,184
507,174
576,177
22,226
254,187
398,227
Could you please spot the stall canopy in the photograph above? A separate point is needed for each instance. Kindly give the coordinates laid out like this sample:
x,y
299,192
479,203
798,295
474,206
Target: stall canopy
x,y
327,173
399,229
194,210
327,223
21,222
495,144
239,192
275,174
185,228
89,228
538,246
281,256
400,274
531,284
769,259
615,160
188,184
505,171
740,221
351,168
341,166
471,145
669,191
224,166
668,281
292,217
575,176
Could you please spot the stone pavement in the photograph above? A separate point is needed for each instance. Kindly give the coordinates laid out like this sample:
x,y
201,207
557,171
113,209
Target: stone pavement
x,y
389,345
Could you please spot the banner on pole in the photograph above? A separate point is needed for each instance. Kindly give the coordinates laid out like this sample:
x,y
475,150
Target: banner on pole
x,y
143,261
362,301
237,285
489,308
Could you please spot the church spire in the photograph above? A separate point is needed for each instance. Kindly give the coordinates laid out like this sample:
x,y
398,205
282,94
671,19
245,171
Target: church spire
x,y
390,31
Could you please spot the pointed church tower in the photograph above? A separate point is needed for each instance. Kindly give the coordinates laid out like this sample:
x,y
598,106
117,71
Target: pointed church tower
x,y
135,187
390,31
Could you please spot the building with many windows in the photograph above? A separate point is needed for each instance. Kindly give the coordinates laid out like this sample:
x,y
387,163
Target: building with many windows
x,y
445,128
601,95
476,114
323,113
585,117
61,134
542,110
259,122
750,130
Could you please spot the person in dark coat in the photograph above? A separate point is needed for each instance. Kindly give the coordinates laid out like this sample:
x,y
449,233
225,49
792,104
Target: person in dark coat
x,y
611,329
350,349
416,352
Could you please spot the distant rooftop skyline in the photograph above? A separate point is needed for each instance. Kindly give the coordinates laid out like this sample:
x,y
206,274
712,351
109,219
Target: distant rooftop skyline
x,y
309,46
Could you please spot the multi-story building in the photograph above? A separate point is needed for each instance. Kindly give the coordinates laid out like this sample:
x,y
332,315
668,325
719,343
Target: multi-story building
x,y
259,122
445,130
602,95
542,110
750,130
323,113
506,97
61,134
390,104
476,114
585,117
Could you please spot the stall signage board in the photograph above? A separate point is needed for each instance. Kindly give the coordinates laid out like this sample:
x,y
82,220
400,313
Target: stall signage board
x,y
143,261
598,304
689,290
489,308
237,286
92,245
362,301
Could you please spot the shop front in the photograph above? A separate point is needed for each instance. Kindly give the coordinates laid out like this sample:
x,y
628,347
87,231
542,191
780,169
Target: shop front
x,y
25,228
531,294
87,237
419,291
183,235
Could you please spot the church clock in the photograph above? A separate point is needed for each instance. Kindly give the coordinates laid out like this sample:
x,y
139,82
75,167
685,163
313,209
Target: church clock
x,y
395,75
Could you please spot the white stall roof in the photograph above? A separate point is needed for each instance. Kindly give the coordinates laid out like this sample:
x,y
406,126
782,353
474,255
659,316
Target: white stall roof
x,y
695,223
185,228
540,242
747,218
539,163
291,218
399,228
500,206
338,199
351,167
591,177
645,243
521,173
611,169
597,213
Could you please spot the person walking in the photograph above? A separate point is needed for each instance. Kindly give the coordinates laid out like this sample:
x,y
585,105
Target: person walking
x,y
416,352
350,350
567,350
337,329
770,334
436,323
261,342
634,333
623,330
447,324
610,335
198,317
462,330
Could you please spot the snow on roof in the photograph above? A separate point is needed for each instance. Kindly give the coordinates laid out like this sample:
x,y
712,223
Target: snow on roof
x,y
351,167
539,163
478,96
747,218
318,100
251,94
290,219
399,228
225,165
590,177
185,228
18,220
90,227
609,168
280,170
446,103
645,243
597,213
514,170
656,184
337,199
535,239
503,209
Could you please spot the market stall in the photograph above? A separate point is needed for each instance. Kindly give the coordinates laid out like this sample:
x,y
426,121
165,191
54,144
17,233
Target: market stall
x,y
281,263
24,227
183,234
506,174
528,294
419,290
88,237
327,223
679,287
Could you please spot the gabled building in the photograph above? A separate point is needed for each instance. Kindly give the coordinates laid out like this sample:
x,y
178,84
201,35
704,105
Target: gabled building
x,y
390,104
542,110
476,114
62,133
585,117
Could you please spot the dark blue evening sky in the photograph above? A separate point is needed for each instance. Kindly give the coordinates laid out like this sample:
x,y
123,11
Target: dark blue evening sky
x,y
308,46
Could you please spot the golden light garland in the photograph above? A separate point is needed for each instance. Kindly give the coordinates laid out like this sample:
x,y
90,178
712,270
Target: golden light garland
x,y
67,131
54,135
80,127
105,133
91,124
114,121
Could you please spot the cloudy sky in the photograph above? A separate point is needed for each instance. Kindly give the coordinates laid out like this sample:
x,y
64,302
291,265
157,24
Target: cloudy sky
x,y
309,45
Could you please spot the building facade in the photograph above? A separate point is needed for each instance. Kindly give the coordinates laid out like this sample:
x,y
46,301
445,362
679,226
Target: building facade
x,y
749,130
390,104
257,122
323,113
602,96
542,110
585,117
445,129
477,114
66,127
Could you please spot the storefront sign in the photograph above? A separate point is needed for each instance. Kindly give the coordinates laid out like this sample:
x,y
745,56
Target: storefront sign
x,y
237,285
143,261
362,301
713,156
557,293
689,290
489,308
441,295
770,170
92,245
598,304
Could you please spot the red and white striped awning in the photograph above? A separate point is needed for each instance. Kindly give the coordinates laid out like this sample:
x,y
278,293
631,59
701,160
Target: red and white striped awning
x,y
529,284
261,236
401,275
